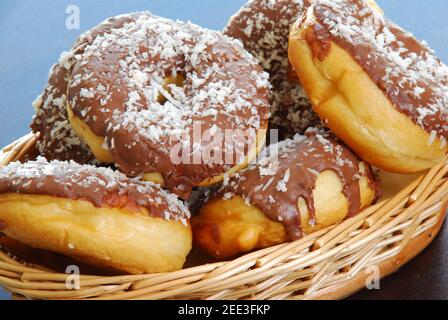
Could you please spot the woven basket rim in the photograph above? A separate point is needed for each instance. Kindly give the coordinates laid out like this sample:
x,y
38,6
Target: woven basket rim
x,y
327,264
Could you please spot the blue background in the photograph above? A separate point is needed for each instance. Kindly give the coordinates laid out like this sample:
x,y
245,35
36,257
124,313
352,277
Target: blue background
x,y
33,34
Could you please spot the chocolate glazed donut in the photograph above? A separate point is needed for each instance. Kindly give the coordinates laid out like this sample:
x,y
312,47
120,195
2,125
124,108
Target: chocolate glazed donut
x,y
296,187
138,90
263,26
384,93
94,214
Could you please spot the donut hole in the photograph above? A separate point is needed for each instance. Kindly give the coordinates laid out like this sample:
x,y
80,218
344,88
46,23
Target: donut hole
x,y
177,80
155,177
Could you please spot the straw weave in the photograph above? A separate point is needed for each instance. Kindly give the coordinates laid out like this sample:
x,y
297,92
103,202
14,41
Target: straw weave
x,y
331,263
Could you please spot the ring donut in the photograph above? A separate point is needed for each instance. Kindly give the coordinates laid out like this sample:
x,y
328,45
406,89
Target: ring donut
x,y
141,89
296,187
95,215
263,27
380,90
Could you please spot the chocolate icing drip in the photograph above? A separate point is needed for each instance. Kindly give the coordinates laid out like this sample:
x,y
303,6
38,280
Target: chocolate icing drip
x,y
263,27
102,187
116,84
275,187
406,70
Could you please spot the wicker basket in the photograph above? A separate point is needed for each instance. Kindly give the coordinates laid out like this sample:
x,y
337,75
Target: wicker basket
x,y
328,264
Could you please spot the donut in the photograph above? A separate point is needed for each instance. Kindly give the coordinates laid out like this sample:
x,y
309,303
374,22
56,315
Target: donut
x,y
95,215
263,27
141,90
384,93
56,138
295,187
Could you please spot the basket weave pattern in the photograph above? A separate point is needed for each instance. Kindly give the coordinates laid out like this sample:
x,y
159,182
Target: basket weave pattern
x,y
331,263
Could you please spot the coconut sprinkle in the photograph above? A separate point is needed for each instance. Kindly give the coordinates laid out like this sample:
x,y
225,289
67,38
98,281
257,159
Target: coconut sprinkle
x,y
90,180
407,70
263,26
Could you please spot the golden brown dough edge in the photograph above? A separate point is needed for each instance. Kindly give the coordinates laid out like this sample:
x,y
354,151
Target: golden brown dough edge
x,y
133,242
225,228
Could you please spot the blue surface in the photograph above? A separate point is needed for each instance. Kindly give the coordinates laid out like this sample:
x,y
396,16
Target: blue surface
x,y
33,34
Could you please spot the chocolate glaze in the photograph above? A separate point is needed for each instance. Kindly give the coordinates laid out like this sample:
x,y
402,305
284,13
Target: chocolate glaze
x,y
406,70
102,187
276,188
112,82
263,26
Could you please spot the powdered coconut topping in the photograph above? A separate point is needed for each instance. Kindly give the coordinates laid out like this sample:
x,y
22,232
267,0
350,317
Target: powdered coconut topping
x,y
263,26
288,171
407,70
101,186
145,84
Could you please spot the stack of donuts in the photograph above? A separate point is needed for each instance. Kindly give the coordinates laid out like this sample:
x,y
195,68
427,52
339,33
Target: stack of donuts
x,y
144,113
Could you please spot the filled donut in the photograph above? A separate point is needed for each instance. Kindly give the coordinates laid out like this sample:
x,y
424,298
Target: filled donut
x,y
167,100
296,187
263,26
95,215
381,91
